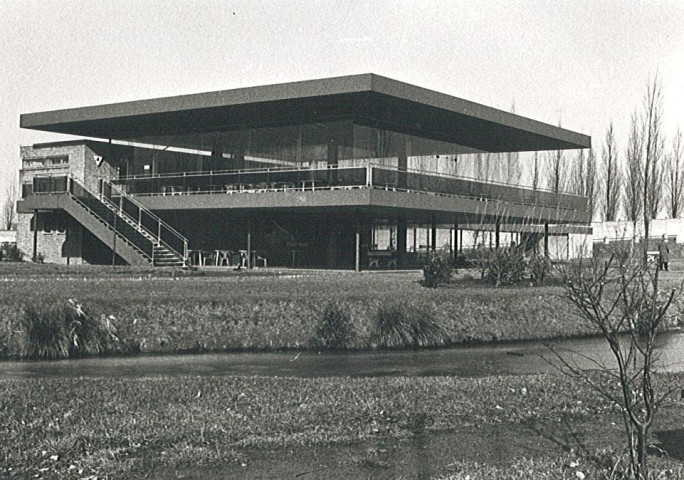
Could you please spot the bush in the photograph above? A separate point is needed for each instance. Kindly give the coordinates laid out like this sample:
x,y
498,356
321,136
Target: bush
x,y
335,329
437,271
505,266
11,253
407,326
65,331
509,266
539,268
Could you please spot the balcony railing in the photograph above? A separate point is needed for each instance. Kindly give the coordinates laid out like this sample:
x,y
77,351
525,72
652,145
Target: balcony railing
x,y
335,177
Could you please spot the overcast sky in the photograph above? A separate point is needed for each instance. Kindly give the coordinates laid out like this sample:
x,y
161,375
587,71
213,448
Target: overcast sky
x,y
583,63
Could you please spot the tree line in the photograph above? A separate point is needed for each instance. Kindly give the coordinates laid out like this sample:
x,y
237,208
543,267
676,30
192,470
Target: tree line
x,y
638,182
643,178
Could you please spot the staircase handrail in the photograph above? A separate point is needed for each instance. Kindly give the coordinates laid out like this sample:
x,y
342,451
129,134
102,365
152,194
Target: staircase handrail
x,y
154,217
104,221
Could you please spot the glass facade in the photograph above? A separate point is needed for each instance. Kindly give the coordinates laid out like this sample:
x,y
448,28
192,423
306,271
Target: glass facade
x,y
339,154
317,145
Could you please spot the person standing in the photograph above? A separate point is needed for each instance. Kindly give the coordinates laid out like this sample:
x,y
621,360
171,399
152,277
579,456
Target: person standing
x,y
664,252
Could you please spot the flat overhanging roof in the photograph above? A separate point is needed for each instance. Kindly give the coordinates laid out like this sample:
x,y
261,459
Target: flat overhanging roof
x,y
366,99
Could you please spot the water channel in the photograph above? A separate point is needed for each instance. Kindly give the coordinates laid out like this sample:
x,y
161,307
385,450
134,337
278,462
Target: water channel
x,y
474,361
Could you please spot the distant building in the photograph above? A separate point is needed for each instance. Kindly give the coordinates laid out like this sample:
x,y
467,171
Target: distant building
x,y
8,236
346,172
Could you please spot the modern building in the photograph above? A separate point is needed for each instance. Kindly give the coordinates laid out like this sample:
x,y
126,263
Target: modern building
x,y
345,172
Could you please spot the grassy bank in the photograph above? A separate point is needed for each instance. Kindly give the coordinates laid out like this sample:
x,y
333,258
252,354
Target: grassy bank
x,y
71,428
167,311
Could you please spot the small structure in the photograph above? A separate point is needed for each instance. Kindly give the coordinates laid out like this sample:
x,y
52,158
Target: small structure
x,y
8,236
342,172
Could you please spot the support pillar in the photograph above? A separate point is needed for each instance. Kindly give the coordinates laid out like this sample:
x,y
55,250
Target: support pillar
x,y
456,243
433,241
35,235
249,245
497,235
546,239
401,241
114,243
357,254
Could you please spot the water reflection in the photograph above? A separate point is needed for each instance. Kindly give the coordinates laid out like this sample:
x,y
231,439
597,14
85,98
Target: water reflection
x,y
481,361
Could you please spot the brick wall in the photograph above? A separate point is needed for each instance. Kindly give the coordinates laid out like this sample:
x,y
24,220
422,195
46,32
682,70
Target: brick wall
x,y
63,245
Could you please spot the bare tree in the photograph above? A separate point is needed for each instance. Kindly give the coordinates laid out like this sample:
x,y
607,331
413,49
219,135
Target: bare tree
x,y
653,151
621,298
483,166
674,173
578,174
9,206
634,173
556,171
535,171
611,177
590,189
512,168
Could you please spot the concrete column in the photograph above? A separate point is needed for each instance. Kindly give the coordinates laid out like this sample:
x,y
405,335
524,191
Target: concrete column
x,y
497,235
249,245
35,235
456,243
433,240
401,241
114,244
546,239
357,254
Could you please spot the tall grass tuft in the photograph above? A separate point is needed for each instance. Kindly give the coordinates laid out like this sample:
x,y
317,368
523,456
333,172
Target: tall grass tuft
x,y
335,329
65,331
399,326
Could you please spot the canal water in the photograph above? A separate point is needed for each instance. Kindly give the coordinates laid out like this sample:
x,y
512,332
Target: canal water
x,y
475,361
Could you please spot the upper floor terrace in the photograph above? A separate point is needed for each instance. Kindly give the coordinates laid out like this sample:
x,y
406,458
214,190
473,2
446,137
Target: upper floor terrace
x,y
363,175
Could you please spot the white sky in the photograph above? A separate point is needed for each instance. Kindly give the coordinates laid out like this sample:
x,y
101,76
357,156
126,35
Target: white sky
x,y
583,63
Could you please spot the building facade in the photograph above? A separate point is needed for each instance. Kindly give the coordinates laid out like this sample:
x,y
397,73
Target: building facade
x,y
349,172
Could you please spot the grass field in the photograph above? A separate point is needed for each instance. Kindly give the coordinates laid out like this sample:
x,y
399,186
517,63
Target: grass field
x,y
168,311
72,428
206,427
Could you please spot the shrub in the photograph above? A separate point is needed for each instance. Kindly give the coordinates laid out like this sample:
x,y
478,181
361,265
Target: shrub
x,y
335,330
509,266
407,326
65,331
12,253
539,268
437,271
505,266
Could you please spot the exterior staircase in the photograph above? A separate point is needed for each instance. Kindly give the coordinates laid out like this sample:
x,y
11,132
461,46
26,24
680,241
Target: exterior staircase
x,y
136,234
